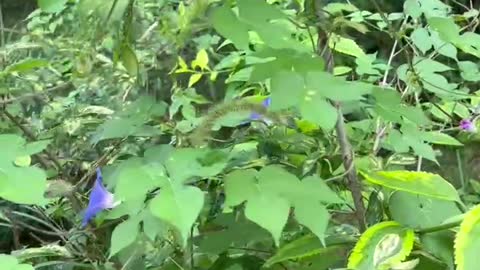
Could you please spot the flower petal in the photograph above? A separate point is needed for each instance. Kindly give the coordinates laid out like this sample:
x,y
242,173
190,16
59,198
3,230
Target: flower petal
x,y
100,199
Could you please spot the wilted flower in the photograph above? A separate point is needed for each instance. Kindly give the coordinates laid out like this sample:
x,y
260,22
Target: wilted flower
x,y
100,199
266,103
468,125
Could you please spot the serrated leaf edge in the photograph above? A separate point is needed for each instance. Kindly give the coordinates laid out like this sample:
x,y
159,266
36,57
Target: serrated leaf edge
x,y
356,255
471,219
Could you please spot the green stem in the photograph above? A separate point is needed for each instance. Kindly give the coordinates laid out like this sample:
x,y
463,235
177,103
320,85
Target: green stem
x,y
445,226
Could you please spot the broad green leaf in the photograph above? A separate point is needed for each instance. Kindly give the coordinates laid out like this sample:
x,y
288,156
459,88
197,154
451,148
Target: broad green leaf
x,y
23,185
380,246
469,70
437,137
315,187
427,66
446,28
121,128
421,39
185,163
179,206
412,8
345,45
312,215
135,181
9,262
52,6
467,242
153,227
276,180
194,78
430,211
287,90
124,235
228,25
335,88
440,244
240,185
259,210
422,183
35,147
258,12
317,110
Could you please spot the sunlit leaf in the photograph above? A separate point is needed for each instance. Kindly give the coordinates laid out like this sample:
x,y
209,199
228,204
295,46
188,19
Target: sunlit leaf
x,y
124,235
179,206
422,183
380,246
467,243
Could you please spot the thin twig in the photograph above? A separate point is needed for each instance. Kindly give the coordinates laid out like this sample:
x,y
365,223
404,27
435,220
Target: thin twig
x,y
353,183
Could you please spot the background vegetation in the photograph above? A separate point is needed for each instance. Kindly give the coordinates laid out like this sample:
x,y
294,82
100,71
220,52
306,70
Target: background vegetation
x,y
247,134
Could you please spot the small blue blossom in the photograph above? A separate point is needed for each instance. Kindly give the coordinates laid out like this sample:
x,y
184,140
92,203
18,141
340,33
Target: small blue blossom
x,y
100,199
468,125
266,103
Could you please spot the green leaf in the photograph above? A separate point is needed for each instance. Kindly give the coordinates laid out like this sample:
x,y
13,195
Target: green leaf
x,y
23,185
446,28
124,235
129,60
430,211
422,183
228,25
179,206
259,210
185,163
345,45
380,246
194,78
467,242
258,12
35,147
52,6
201,60
135,181
314,187
437,137
287,88
421,39
317,110
335,88
9,262
312,215
440,244
26,65
240,185
412,8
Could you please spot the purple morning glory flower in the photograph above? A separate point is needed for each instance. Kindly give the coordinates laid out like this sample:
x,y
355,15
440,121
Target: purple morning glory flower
x,y
266,103
468,125
100,199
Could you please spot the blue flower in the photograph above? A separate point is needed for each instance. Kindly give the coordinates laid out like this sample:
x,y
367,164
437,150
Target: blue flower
x,y
266,103
100,199
468,125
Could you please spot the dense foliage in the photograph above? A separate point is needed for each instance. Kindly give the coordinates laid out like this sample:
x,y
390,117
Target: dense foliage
x,y
239,134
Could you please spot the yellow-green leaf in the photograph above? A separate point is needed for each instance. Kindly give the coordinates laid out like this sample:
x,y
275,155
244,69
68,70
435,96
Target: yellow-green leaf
x,y
201,60
423,183
345,45
467,242
382,245
194,79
